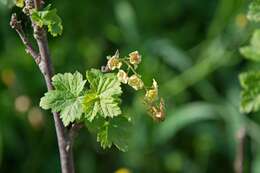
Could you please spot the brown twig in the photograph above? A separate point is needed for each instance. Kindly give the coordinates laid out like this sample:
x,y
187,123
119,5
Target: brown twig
x,y
238,163
16,24
43,59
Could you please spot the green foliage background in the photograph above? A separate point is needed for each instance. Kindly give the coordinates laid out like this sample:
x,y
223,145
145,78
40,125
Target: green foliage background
x,y
190,47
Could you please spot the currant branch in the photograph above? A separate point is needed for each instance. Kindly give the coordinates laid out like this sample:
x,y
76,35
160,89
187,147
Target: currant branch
x,y
43,60
93,102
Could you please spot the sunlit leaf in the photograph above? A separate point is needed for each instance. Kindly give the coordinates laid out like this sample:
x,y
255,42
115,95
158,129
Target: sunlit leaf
x,y
103,95
66,98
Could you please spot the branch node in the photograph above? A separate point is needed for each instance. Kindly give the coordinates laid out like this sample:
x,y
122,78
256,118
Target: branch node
x,y
67,147
38,59
14,23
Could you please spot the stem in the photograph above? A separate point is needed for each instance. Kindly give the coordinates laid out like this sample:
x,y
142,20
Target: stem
x,y
64,141
238,164
43,60
130,66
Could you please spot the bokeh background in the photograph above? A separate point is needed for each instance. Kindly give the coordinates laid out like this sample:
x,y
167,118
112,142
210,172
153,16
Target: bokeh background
x,y
189,46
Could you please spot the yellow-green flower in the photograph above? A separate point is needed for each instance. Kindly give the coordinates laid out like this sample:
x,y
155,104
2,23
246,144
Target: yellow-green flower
x,y
114,62
152,94
135,82
122,76
135,58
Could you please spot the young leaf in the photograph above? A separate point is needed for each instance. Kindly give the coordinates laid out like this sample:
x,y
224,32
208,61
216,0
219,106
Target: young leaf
x,y
48,17
254,11
103,96
66,98
252,51
250,82
113,131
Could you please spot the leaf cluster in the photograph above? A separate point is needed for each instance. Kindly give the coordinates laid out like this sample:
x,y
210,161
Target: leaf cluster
x,y
97,105
48,17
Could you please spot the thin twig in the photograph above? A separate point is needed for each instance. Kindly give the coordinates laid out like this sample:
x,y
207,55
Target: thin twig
x,y
15,24
238,163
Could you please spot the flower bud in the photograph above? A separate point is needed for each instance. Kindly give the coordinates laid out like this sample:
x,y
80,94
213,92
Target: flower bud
x,y
135,58
152,94
135,82
122,76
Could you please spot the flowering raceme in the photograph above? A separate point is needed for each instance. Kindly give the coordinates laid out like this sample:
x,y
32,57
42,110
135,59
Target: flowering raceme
x,y
155,106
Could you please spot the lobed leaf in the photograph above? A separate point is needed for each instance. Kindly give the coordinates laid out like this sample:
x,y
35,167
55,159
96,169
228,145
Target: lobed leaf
x,y
66,98
103,96
48,17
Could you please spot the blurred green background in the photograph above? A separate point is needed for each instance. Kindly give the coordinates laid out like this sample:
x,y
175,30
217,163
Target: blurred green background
x,y
189,46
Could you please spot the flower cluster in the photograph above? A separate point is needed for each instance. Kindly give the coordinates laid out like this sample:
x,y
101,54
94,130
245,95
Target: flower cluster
x,y
132,78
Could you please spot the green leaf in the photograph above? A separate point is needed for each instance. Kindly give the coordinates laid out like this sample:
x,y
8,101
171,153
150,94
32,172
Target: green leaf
x,y
250,83
113,131
66,98
48,17
254,11
252,51
103,96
